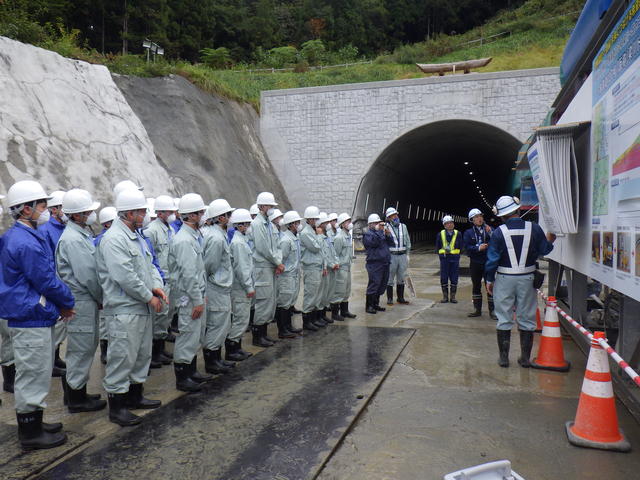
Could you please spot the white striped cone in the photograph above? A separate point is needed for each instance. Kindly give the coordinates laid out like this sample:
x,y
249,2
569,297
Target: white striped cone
x,y
550,352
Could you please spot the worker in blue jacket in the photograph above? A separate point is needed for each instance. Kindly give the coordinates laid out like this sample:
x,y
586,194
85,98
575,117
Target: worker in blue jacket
x,y
448,246
32,299
476,243
377,240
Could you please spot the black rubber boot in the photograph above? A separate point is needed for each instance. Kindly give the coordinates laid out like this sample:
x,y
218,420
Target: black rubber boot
x,y
452,296
59,367
224,362
33,436
317,320
136,399
504,342
184,382
290,326
376,304
52,427
400,290
104,345
344,310
307,324
118,412
213,364
66,388
324,317
445,294
266,336
156,361
168,356
389,294
491,305
243,352
252,314
335,313
526,344
370,308
196,376
283,332
477,308
232,351
257,339
78,400
8,377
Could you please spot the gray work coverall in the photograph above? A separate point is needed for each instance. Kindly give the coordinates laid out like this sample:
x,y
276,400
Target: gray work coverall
x,y
311,245
266,257
242,263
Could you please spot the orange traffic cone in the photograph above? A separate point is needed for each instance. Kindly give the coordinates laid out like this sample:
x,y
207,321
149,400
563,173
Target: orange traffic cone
x,y
550,352
596,423
538,322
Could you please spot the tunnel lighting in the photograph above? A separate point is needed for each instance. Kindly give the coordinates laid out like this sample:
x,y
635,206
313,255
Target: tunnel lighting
x,y
470,173
474,180
466,163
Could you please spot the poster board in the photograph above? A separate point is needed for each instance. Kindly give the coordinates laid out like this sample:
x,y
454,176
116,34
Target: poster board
x,y
615,158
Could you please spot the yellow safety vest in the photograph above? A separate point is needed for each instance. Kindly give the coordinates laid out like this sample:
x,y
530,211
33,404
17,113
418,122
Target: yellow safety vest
x,y
443,237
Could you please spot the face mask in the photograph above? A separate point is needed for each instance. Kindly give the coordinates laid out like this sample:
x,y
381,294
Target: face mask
x,y
201,222
146,221
350,228
269,212
43,218
281,224
64,218
91,219
329,228
171,218
248,230
299,228
396,221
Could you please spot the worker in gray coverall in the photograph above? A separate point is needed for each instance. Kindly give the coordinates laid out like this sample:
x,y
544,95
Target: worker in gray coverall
x,y
343,246
289,281
76,266
313,269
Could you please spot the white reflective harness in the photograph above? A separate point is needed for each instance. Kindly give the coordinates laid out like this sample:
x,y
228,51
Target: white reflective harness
x,y
398,240
518,267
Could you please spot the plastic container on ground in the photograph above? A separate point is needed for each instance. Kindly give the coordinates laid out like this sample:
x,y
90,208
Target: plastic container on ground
x,y
500,470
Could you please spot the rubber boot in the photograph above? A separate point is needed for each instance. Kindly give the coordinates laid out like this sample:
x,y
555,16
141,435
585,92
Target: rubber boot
x,y
59,366
212,363
324,317
344,310
157,359
445,294
376,304
8,377
184,382
452,296
504,342
257,339
136,399
389,294
283,332
290,326
477,308
33,436
173,326
243,352
307,324
118,412
78,400
252,314
369,305
317,319
168,356
232,351
400,289
104,345
226,363
526,344
491,305
196,376
335,313
265,334
52,427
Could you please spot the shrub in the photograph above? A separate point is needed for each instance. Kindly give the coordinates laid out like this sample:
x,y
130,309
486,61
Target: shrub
x,y
215,57
280,57
313,51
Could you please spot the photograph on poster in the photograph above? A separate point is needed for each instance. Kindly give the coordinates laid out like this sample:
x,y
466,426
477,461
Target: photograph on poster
x,y
624,252
607,249
595,246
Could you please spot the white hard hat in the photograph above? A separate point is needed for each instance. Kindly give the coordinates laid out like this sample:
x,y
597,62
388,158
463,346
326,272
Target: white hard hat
x,y
275,214
191,202
290,217
240,215
219,207
77,200
312,212
474,212
107,214
333,216
343,217
266,198
374,218
25,191
125,185
447,218
322,218
254,210
130,200
56,198
506,205
390,211
164,203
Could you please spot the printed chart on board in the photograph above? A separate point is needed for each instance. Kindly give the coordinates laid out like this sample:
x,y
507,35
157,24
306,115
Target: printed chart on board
x,y
615,156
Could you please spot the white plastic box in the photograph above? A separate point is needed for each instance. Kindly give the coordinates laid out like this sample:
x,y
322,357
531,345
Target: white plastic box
x,y
500,470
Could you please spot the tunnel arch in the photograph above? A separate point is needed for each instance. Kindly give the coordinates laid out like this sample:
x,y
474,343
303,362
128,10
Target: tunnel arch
x,y
423,171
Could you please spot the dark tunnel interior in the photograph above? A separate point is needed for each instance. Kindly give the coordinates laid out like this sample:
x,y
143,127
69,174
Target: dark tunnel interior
x,y
442,167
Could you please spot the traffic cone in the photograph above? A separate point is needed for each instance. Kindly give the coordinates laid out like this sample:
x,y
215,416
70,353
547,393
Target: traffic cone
x,y
550,352
596,422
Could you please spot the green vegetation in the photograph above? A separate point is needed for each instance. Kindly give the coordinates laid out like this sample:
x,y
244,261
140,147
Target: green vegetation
x,y
537,33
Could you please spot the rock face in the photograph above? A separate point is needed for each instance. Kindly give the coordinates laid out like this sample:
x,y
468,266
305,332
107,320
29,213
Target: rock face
x,y
208,144
67,124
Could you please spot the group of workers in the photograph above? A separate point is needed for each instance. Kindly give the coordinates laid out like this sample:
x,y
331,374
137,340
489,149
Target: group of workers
x,y
163,269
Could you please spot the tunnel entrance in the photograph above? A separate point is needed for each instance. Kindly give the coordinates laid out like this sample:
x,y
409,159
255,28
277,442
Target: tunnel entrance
x,y
444,167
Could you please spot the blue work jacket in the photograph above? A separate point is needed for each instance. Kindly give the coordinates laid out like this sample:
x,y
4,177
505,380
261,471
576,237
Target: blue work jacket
x,y
377,244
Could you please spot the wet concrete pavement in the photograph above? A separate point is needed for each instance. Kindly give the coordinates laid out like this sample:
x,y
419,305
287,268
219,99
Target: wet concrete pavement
x,y
293,412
